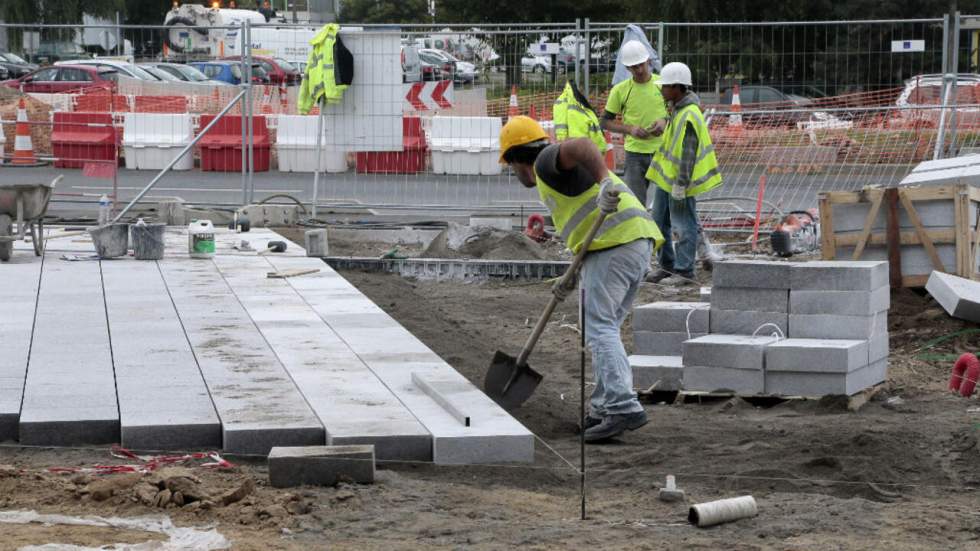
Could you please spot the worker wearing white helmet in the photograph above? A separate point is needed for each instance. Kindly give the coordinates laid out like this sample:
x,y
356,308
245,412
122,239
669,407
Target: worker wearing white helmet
x,y
683,167
644,115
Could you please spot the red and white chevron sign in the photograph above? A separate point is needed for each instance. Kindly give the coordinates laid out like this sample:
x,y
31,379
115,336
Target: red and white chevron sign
x,y
429,96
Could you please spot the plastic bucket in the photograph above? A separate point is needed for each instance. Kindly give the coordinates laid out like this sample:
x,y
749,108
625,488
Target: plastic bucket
x,y
148,241
111,241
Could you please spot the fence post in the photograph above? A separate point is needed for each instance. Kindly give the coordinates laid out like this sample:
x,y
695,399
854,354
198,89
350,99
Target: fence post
x,y
578,52
945,61
661,28
251,120
937,153
954,59
242,118
588,56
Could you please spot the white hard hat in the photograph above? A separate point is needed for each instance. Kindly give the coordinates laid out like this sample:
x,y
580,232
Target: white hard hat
x,y
675,73
633,53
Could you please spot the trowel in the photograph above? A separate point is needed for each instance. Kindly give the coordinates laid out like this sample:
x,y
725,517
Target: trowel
x,y
510,381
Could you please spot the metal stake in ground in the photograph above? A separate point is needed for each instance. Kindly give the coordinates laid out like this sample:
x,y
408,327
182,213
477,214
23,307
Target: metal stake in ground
x,y
581,394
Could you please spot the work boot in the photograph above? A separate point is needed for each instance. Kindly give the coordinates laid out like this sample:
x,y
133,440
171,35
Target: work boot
x,y
591,421
685,278
658,276
616,424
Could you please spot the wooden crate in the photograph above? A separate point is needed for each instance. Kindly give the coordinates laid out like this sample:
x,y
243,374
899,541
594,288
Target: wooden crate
x,y
884,236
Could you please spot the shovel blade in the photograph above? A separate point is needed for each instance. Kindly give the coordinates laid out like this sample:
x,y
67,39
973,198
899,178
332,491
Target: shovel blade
x,y
507,383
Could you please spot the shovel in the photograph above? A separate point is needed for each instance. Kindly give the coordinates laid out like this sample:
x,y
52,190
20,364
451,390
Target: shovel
x,y
510,381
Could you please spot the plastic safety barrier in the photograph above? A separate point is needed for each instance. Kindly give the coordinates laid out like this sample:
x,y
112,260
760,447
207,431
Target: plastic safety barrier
x,y
160,104
296,146
221,147
78,138
151,141
409,161
466,145
101,103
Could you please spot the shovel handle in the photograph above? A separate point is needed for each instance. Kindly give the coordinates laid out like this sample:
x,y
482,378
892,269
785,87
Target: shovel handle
x,y
573,269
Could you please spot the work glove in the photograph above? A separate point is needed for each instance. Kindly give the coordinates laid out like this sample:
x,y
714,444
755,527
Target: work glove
x,y
564,286
608,197
678,192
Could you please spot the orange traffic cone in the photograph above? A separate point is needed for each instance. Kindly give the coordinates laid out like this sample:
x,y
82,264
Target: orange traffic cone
x,y
23,148
533,113
735,120
266,100
610,152
513,110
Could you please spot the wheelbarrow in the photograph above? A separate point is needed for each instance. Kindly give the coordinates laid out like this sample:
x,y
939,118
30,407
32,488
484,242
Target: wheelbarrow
x,y
25,204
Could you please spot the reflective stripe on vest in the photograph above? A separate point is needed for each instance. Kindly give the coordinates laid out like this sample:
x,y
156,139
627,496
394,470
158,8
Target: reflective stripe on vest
x,y
574,216
665,165
573,120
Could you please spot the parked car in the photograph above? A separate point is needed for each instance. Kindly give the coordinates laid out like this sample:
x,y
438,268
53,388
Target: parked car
x,y
928,91
186,73
439,68
50,52
411,64
65,78
755,98
535,64
4,73
16,65
463,72
277,69
229,71
160,74
122,67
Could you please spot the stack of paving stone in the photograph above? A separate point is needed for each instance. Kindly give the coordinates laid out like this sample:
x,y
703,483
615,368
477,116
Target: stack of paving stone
x,y
659,332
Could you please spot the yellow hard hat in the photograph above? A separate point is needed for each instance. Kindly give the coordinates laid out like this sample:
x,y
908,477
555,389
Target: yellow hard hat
x,y
519,130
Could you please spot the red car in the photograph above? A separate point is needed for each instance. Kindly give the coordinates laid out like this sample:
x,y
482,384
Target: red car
x,y
279,69
64,79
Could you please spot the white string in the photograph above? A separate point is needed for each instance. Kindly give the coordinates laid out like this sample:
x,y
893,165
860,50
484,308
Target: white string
x,y
778,333
687,321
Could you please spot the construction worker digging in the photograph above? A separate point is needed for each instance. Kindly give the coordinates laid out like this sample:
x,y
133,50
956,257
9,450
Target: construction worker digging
x,y
573,182
683,167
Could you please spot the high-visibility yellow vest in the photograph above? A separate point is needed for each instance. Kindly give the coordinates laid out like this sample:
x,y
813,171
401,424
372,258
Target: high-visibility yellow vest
x,y
573,216
319,82
666,162
574,120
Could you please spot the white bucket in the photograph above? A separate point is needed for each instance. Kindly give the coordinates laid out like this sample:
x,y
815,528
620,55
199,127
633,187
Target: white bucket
x,y
200,239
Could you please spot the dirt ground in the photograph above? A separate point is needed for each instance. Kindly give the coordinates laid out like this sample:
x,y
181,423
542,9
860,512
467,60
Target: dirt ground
x,y
899,473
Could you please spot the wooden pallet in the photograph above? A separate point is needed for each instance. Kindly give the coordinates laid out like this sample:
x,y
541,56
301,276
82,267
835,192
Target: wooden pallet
x,y
960,234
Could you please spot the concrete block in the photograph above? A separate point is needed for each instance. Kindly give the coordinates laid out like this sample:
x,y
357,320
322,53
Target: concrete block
x,y
732,351
839,275
827,326
271,215
647,343
750,299
671,317
757,274
817,355
744,322
960,297
933,214
915,260
878,347
842,303
721,379
320,465
316,243
666,372
795,383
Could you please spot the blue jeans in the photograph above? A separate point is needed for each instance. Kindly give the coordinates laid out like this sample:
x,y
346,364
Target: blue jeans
x,y
611,278
680,217
635,174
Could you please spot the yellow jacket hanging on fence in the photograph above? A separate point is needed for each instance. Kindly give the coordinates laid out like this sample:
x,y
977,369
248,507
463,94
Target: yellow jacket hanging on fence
x,y
320,82
574,118
574,216
665,168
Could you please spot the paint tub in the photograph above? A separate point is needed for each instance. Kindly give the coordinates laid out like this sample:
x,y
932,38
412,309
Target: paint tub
x,y
147,241
111,241
200,239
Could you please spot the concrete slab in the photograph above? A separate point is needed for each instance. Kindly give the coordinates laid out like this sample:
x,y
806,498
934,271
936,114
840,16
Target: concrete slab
x,y
19,280
960,297
724,379
744,322
70,390
826,326
839,275
844,303
354,406
392,354
733,351
647,343
175,411
679,317
795,383
258,403
750,299
878,347
756,274
659,372
938,214
817,355
320,465
915,260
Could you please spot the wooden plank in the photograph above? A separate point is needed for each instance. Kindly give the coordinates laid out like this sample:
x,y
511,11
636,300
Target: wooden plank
x,y
908,237
868,222
932,193
961,225
937,263
291,273
976,238
828,248
915,281
894,238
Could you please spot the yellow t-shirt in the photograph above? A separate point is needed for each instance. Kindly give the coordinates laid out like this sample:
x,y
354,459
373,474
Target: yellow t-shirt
x,y
640,105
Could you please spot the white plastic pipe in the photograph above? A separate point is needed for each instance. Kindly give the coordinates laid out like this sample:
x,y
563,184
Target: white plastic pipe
x,y
703,515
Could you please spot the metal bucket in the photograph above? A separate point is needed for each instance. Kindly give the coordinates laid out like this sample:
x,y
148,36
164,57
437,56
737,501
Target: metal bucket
x,y
111,241
147,241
